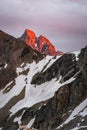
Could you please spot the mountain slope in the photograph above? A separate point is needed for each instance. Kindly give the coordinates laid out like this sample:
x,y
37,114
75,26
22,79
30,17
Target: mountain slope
x,y
41,43
13,52
46,93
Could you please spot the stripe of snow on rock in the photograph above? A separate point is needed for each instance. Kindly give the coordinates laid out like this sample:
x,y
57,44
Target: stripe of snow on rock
x,y
77,111
18,119
51,62
41,64
7,86
80,127
30,123
16,89
83,113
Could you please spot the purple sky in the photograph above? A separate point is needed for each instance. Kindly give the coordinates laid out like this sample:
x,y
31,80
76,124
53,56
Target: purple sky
x,y
63,22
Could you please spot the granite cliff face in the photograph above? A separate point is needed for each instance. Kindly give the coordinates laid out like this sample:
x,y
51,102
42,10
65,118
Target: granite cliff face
x,y
37,92
41,43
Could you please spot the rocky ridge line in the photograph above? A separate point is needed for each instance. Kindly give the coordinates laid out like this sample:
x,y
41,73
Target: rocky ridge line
x,y
41,43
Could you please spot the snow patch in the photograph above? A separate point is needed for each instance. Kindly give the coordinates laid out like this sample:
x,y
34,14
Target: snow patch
x,y
76,54
21,68
80,127
18,119
83,113
7,86
5,65
22,65
30,123
42,105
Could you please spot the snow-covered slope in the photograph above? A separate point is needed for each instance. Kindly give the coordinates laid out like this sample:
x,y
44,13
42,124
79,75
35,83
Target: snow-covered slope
x,y
46,93
33,94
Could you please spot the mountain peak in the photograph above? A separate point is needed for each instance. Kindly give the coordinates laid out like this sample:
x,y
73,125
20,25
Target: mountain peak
x,y
45,46
30,32
29,37
41,43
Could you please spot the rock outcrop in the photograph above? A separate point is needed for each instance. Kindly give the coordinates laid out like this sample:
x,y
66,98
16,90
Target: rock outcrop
x,y
30,38
41,43
64,66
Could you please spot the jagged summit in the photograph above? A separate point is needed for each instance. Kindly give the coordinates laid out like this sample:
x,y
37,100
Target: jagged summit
x,y
41,43
29,37
45,46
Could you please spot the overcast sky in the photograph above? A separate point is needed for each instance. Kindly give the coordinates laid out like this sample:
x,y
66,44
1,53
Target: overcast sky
x,y
63,22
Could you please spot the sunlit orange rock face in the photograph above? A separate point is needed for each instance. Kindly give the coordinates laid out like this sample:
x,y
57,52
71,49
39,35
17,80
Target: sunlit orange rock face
x,y
45,46
41,43
30,38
